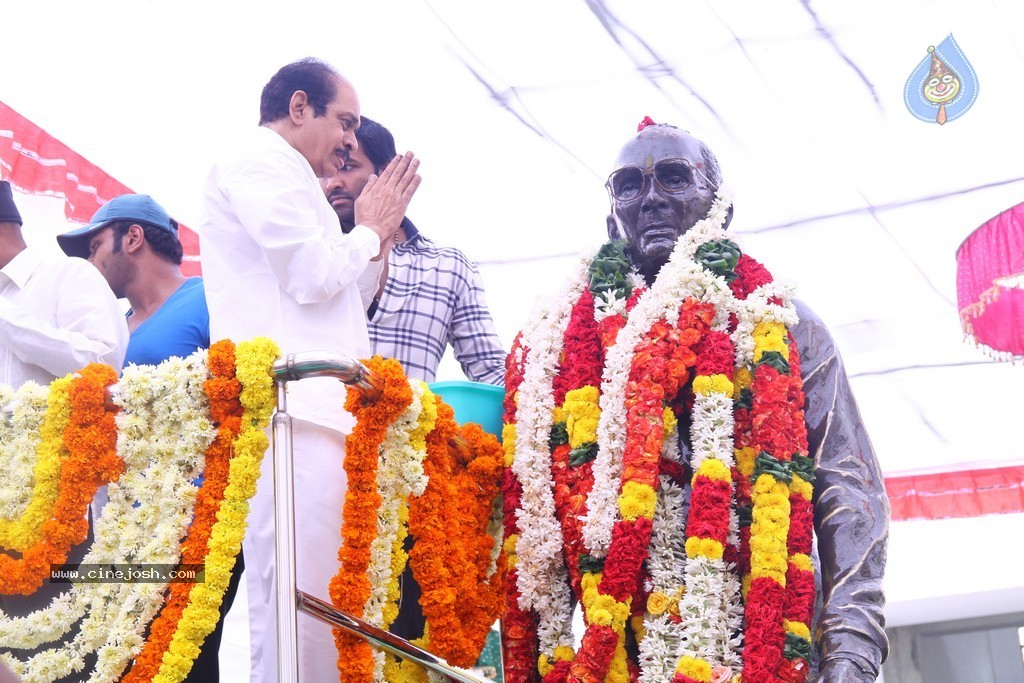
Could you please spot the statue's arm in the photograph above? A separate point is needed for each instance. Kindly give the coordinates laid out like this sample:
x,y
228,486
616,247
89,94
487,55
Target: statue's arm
x,y
851,513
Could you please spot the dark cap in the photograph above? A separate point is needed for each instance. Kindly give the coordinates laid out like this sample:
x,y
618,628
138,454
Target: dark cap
x,y
8,211
138,208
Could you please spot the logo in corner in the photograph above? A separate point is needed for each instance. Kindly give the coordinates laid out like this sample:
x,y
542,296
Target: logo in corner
x,y
943,86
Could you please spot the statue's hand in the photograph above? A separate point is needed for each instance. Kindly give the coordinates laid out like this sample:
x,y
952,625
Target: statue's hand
x,y
844,671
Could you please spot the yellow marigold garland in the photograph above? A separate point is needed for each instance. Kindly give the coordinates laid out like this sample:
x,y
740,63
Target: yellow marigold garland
x,y
23,532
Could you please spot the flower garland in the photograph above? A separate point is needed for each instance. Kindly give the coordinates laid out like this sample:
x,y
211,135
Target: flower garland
x,y
19,436
688,614
158,442
351,587
222,390
90,439
254,365
45,437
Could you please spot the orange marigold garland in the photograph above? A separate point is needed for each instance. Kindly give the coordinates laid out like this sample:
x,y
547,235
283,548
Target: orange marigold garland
x,y
90,442
222,391
350,588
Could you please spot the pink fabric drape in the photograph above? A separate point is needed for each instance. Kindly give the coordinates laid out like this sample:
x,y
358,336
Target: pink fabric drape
x,y
990,284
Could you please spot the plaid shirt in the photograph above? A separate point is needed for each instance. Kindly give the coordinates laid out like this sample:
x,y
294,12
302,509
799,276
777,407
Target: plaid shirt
x,y
433,298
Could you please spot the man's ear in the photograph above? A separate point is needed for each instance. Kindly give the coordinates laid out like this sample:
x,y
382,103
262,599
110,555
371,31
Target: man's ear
x,y
133,239
614,234
298,106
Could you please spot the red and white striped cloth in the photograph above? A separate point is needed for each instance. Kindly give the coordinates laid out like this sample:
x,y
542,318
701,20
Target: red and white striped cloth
x,y
35,162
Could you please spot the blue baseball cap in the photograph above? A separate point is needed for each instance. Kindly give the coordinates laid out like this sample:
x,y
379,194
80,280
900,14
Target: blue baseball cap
x,y
138,208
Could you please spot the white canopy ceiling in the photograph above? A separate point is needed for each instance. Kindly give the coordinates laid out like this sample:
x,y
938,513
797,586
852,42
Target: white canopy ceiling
x,y
518,109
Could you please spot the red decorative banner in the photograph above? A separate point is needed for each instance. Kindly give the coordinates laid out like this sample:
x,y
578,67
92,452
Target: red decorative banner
x,y
966,493
35,162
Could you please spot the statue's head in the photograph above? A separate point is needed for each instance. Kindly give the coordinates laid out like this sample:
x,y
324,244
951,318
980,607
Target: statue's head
x,y
663,183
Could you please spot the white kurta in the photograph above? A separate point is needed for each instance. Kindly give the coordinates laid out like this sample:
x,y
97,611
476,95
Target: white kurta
x,y
57,315
276,264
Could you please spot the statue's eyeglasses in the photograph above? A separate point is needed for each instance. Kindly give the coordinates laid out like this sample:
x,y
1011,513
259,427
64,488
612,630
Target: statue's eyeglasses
x,y
671,175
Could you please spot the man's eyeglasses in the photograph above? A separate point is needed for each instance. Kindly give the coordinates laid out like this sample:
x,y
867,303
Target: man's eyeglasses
x,y
671,175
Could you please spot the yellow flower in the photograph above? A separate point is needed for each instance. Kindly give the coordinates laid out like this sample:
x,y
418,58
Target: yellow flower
x,y
564,653
801,561
770,337
657,603
715,469
797,629
801,487
742,378
713,384
601,617
544,666
25,531
637,500
508,442
745,458
582,414
670,421
704,547
697,669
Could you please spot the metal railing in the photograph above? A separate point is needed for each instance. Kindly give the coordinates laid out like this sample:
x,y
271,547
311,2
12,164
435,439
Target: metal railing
x,y
289,598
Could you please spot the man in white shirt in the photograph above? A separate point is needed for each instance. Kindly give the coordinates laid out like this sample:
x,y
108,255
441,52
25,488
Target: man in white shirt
x,y
57,314
276,264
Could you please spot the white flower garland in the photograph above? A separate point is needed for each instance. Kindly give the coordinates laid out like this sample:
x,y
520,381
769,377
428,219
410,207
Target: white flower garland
x,y
399,475
164,432
542,577
679,278
19,437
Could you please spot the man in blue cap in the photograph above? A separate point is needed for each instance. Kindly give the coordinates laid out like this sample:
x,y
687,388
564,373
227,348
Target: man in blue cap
x,y
134,244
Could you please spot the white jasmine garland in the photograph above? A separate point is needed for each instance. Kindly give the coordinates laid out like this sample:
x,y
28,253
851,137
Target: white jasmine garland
x,y
19,436
147,515
678,279
542,578
399,475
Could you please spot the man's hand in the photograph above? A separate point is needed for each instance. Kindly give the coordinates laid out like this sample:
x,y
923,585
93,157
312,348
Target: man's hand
x,y
382,203
843,671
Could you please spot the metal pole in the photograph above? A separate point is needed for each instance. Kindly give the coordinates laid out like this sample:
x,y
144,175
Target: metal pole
x,y
384,640
284,541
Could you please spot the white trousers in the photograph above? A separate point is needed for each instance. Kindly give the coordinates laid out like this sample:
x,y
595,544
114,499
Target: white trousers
x,y
319,495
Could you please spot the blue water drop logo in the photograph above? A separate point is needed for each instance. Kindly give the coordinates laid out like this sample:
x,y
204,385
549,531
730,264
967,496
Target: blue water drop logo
x,y
943,86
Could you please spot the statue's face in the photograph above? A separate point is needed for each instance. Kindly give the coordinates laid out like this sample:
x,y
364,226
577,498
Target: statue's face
x,y
658,192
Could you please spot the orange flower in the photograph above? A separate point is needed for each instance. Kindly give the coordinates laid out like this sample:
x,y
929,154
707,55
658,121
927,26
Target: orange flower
x,y
222,390
90,461
350,587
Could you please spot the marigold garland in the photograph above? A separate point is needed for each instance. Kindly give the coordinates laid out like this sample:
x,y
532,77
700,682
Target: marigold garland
x,y
746,432
350,587
90,439
254,364
23,532
222,390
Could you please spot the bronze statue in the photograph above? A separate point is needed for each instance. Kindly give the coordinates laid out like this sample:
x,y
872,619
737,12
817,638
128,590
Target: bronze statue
x,y
665,181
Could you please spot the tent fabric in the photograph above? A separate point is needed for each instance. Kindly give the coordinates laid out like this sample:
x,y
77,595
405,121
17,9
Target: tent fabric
x,y
35,162
990,284
948,495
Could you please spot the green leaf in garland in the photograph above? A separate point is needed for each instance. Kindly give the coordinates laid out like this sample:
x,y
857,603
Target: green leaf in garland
x,y
591,564
609,271
796,647
804,466
776,360
583,454
744,515
745,400
720,258
559,435
766,464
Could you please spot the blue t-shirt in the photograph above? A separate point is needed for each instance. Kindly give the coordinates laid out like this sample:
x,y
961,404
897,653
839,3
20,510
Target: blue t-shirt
x,y
178,328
